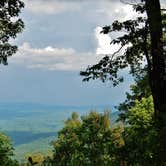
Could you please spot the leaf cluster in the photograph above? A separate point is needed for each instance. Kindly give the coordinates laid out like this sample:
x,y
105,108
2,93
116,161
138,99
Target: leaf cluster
x,y
88,141
6,151
10,26
133,47
140,134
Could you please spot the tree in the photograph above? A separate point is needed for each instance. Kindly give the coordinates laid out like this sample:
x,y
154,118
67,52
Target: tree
x,y
138,90
158,73
89,141
6,151
143,38
140,134
10,26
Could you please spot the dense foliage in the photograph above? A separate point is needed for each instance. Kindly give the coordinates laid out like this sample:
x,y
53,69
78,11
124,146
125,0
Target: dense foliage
x,y
138,90
88,141
142,39
6,151
140,134
10,26
92,141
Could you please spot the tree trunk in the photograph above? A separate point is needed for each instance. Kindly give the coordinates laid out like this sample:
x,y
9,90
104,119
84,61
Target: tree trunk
x,y
158,74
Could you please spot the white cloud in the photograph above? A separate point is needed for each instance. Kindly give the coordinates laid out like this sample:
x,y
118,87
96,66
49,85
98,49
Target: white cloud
x,y
63,59
124,12
50,6
103,41
52,58
116,10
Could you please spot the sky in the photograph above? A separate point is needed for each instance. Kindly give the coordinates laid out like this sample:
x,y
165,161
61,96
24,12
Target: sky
x,y
60,39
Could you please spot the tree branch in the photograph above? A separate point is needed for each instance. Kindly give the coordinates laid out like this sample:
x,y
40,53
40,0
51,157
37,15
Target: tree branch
x,y
129,3
116,52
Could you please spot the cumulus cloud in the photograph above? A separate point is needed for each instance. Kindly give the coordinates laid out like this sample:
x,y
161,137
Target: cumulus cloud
x,y
63,59
103,41
50,6
115,9
123,12
52,58
68,59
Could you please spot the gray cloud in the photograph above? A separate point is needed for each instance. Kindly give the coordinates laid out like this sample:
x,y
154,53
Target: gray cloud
x,y
50,6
